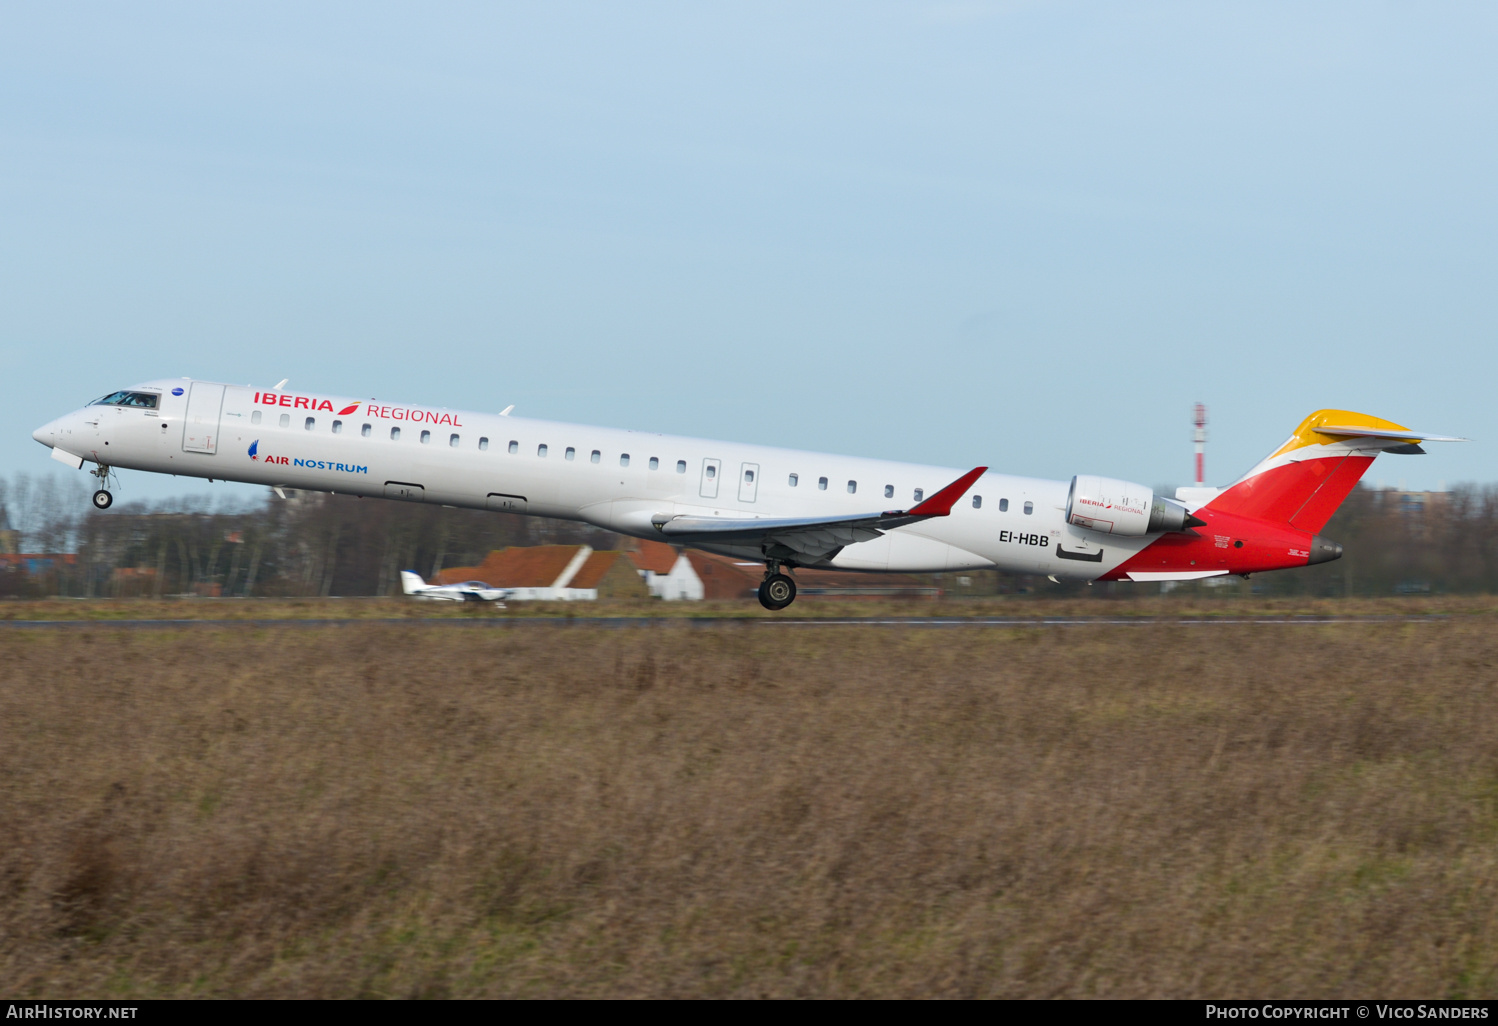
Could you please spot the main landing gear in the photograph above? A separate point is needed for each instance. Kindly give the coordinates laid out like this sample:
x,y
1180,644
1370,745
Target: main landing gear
x,y
777,590
102,498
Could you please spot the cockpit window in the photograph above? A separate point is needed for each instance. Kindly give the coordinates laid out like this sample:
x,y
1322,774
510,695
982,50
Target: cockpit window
x,y
144,400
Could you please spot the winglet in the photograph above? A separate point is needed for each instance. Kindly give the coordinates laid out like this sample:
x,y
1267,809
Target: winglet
x,y
940,504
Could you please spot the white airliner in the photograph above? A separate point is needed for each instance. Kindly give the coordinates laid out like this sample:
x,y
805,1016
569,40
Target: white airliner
x,y
783,507
468,591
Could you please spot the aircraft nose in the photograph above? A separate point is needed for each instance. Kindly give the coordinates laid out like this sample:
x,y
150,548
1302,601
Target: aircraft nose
x,y
46,434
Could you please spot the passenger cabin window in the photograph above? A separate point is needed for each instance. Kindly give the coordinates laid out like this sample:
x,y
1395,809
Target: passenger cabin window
x,y
426,436
595,456
655,464
624,459
977,502
284,420
712,472
483,445
681,466
514,447
311,423
852,487
1003,505
571,453
141,400
337,427
822,483
794,480
889,491
395,434
541,450
255,417
364,431
1029,508
452,440
748,477
920,493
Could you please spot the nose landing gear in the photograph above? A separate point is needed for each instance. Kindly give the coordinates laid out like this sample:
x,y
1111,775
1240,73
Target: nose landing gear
x,y
102,498
777,590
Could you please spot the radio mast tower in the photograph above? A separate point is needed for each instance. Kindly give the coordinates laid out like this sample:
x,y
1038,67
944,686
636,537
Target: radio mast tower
x,y
1199,436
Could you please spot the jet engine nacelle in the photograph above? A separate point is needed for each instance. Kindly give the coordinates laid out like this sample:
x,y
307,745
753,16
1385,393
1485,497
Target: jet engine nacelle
x,y
1122,507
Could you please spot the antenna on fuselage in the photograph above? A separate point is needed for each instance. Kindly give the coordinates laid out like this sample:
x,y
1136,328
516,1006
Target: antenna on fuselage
x,y
506,411
280,384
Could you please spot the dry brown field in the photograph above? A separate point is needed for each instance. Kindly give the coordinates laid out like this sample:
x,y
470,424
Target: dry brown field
x,y
1124,602
751,809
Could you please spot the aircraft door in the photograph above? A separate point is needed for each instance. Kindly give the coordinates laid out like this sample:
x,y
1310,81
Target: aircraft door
x,y
205,402
748,482
711,469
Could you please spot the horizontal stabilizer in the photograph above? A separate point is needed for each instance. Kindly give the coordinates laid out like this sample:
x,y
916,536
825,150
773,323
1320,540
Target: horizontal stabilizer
x,y
1173,575
1369,432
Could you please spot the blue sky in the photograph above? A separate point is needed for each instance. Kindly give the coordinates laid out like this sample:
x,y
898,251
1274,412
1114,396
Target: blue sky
x,y
1027,235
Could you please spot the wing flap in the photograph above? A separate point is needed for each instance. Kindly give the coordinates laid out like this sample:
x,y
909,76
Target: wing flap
x,y
814,537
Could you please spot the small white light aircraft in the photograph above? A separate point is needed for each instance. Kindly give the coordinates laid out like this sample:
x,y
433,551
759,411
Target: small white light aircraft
x,y
782,507
468,591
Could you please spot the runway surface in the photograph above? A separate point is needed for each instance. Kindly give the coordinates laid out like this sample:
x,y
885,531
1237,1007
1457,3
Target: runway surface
x,y
619,622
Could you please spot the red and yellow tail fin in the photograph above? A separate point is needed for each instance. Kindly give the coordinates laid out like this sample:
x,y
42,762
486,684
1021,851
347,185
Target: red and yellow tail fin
x,y
1304,481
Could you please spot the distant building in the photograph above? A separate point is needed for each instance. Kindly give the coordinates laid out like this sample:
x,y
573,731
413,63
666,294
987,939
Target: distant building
x,y
575,573
36,564
553,573
723,577
668,574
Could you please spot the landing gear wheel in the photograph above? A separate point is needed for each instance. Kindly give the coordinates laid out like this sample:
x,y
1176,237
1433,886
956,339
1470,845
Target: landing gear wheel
x,y
777,591
102,499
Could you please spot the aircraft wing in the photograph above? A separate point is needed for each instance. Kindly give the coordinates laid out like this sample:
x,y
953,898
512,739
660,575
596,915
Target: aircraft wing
x,y
809,538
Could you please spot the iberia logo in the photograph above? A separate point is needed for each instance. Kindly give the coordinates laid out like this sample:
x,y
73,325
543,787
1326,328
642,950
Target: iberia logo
x,y
347,410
